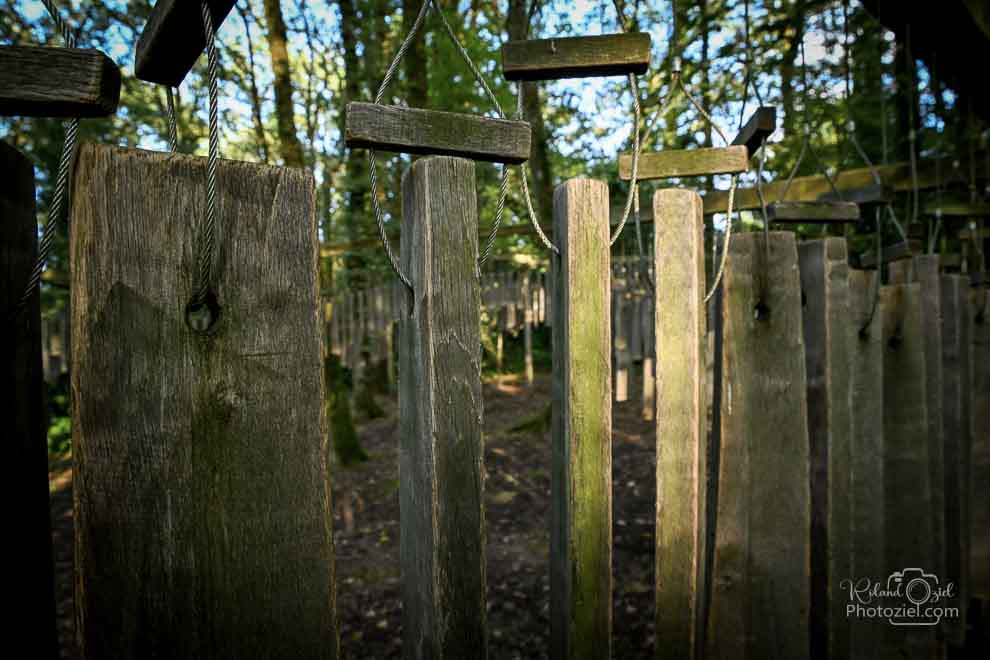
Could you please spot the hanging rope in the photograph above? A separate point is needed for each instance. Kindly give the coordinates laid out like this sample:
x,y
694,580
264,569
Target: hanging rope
x,y
173,131
56,210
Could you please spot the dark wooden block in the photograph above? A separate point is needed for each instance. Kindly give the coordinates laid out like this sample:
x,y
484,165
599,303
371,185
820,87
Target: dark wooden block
x,y
870,194
173,39
813,212
891,253
39,81
431,132
576,57
977,278
685,162
757,128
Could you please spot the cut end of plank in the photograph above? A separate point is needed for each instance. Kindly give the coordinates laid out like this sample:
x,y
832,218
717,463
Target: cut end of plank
x,y
577,57
759,127
435,133
813,212
173,39
895,252
42,81
685,162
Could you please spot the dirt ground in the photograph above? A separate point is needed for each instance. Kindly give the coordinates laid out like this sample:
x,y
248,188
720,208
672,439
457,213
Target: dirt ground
x,y
517,489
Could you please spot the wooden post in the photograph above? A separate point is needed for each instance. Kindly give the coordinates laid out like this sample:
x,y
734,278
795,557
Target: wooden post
x,y
441,496
907,489
824,268
979,548
527,295
581,482
761,578
956,381
681,420
620,345
649,355
32,622
866,456
202,495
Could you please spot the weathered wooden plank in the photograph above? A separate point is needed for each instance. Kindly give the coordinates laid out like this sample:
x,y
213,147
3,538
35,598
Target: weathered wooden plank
x,y
956,391
866,459
870,194
907,486
41,81
173,39
620,346
32,620
202,494
441,491
435,133
890,254
761,578
827,342
979,548
681,421
527,294
757,128
813,212
576,57
957,209
671,163
581,434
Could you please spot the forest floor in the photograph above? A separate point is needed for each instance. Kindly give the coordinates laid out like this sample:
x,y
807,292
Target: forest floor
x,y
517,511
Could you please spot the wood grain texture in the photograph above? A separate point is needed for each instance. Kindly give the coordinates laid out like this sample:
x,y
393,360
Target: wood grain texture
x,y
435,133
979,549
827,343
441,492
32,621
173,39
866,455
760,126
681,421
576,57
907,487
581,427
813,212
41,81
202,493
671,163
761,577
956,392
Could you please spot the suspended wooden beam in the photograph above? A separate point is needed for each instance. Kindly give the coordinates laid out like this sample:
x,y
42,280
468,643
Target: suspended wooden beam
x,y
874,193
890,254
173,39
969,234
757,128
813,212
672,163
436,133
39,81
576,57
957,209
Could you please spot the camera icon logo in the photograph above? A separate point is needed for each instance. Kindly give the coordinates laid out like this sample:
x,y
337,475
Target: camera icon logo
x,y
917,591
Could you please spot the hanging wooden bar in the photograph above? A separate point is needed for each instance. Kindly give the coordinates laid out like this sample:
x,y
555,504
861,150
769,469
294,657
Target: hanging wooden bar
x,y
813,212
957,209
576,57
671,163
174,38
870,194
891,253
759,127
436,133
42,81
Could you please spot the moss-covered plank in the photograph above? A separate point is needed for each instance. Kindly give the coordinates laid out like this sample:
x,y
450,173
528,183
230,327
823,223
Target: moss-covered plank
x,y
202,493
813,212
576,57
42,81
681,421
671,163
581,428
957,209
173,39
441,503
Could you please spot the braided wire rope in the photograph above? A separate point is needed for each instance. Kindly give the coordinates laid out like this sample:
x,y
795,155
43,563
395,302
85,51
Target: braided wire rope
x,y
173,131
56,210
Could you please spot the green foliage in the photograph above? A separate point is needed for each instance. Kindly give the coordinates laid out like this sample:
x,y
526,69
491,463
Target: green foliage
x,y
57,399
338,384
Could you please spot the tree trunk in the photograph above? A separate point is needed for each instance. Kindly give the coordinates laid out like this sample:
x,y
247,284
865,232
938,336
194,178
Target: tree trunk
x,y
259,126
290,148
355,183
414,63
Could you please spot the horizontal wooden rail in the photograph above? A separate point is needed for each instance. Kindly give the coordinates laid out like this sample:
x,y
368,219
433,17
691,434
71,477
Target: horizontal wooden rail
x,y
813,212
39,81
576,57
672,163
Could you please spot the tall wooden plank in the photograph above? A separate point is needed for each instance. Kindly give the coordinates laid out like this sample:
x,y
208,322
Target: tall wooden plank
x,y
979,539
441,498
620,344
907,487
956,368
581,428
527,296
649,356
202,493
681,420
866,457
30,586
761,577
825,319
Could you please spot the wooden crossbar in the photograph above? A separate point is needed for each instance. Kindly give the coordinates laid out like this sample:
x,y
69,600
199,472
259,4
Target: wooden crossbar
x,y
39,81
891,253
868,194
957,209
436,133
173,39
757,128
576,57
813,212
969,234
672,163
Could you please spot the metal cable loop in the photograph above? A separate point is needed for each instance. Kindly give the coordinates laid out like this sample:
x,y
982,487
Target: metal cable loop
x,y
635,164
173,131
728,234
56,210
